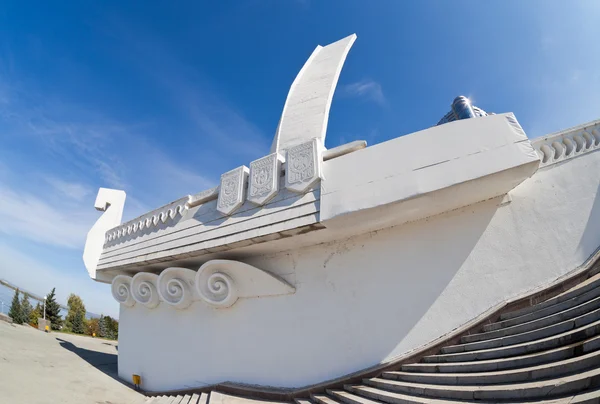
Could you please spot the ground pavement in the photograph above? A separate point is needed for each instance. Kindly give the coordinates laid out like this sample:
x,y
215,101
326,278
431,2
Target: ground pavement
x,y
40,368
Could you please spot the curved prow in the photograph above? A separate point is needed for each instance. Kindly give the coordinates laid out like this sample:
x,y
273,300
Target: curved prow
x,y
306,110
111,202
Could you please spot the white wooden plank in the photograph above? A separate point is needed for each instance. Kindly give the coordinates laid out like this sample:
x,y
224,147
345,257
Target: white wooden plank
x,y
214,233
207,215
201,248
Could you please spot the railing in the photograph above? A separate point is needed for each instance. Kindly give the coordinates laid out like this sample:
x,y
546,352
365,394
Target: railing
x,y
567,144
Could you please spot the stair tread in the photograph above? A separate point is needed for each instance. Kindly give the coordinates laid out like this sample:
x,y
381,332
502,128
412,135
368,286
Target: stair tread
x,y
529,336
303,401
324,399
570,365
552,341
542,322
576,290
546,311
548,384
383,394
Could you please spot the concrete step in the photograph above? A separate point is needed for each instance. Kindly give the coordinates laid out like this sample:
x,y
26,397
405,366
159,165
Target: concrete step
x,y
514,362
303,401
568,314
556,308
389,397
573,292
533,335
551,342
323,399
532,373
548,388
348,398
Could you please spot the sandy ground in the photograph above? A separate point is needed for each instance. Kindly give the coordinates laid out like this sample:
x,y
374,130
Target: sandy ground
x,y
36,367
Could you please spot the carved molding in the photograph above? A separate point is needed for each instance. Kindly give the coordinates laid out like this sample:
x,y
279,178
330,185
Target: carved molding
x,y
171,211
121,290
143,289
218,283
232,190
264,178
303,166
176,287
567,144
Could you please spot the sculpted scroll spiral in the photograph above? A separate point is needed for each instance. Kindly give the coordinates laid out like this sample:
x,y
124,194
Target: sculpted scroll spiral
x,y
121,290
143,289
216,289
176,287
218,283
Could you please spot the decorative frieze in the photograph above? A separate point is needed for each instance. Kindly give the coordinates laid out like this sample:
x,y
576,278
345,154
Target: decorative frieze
x,y
171,211
232,191
264,178
303,166
567,144
218,283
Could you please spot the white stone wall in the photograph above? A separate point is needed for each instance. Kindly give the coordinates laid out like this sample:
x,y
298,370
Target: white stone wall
x,y
372,297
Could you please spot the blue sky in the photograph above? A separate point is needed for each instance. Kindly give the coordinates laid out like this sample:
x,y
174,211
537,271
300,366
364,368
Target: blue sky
x,y
160,98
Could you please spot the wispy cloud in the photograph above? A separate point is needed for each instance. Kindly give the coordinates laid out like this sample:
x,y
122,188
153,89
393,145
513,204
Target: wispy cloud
x,y
28,216
70,190
366,89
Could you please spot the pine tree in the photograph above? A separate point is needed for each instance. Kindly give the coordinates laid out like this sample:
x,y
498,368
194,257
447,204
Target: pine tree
x,y
15,311
102,327
26,308
53,311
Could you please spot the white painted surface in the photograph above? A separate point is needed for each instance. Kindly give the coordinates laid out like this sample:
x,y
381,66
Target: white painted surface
x,y
369,298
111,202
412,177
306,111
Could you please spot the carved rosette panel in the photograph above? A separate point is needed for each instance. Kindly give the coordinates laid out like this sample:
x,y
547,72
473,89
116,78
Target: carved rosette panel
x,y
232,190
144,289
176,287
264,179
218,283
303,166
121,290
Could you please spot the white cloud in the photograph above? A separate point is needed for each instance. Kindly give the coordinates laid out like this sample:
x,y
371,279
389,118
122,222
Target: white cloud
x,y
366,89
29,216
71,190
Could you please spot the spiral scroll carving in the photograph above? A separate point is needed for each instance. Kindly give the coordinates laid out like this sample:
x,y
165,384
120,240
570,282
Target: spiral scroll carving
x,y
217,289
144,290
121,290
176,287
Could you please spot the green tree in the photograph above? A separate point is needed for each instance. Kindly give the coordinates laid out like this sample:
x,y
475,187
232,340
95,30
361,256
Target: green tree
x,y
26,308
53,310
35,314
15,311
75,320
